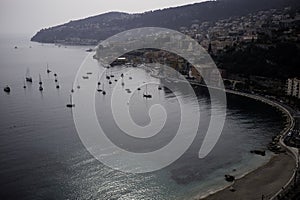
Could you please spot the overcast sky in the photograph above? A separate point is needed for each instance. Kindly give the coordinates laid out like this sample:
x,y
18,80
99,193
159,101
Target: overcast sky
x,y
29,16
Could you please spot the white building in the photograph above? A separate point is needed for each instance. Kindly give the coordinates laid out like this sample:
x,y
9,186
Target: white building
x,y
293,87
289,87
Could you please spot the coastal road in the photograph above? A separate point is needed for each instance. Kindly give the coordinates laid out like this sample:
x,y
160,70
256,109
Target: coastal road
x,y
271,179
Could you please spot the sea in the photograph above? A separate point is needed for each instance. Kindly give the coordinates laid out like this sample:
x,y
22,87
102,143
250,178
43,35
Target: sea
x,y
42,155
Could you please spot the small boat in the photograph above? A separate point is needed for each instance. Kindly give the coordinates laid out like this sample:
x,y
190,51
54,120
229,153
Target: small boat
x,y
130,78
72,90
101,90
107,77
89,73
109,82
98,88
159,88
123,83
78,86
229,178
48,70
122,75
55,74
85,77
28,77
40,83
57,86
7,89
40,80
24,86
16,47
70,105
89,50
112,76
146,95
116,80
139,89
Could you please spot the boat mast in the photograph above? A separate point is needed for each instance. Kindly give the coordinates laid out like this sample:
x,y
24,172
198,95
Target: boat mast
x,y
146,90
71,99
40,79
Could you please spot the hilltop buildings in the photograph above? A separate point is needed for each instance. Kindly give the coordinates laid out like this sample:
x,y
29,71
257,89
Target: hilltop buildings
x,y
246,29
293,87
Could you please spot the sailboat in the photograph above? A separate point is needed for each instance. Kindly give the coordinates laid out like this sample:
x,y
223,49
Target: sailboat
x,y
111,75
48,70
103,91
72,90
28,78
70,105
98,88
40,80
99,83
57,85
106,74
40,83
146,95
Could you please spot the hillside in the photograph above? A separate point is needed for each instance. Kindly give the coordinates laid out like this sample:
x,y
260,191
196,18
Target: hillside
x,y
96,28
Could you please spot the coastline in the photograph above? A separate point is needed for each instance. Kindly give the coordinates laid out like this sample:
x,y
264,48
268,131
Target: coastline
x,y
268,180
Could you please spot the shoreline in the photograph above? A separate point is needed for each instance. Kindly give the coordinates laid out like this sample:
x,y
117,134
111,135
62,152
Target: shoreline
x,y
268,180
265,180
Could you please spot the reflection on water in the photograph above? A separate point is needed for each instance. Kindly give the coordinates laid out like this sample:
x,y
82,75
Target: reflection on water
x,y
42,157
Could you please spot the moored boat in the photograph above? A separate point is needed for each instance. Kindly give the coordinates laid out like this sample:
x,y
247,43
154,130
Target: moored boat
x,y
7,89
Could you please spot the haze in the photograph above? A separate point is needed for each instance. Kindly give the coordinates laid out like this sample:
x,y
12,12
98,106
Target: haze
x,y
26,17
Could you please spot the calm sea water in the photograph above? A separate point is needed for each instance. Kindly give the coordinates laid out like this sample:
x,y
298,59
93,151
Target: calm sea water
x,y
42,157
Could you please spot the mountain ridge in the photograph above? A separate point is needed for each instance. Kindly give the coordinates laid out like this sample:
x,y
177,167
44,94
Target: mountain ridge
x,y
99,27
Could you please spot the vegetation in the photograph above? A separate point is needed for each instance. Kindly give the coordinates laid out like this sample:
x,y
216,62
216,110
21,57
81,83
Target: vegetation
x,y
102,26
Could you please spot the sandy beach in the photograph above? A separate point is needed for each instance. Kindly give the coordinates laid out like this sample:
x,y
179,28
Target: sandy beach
x,y
266,180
